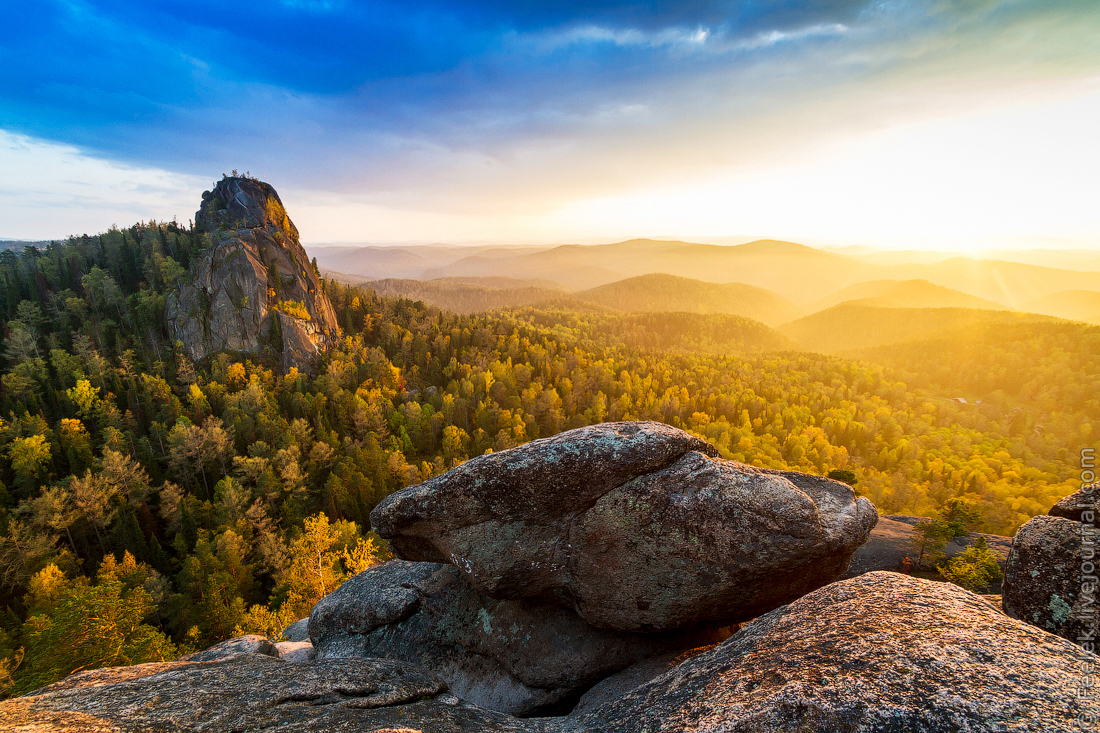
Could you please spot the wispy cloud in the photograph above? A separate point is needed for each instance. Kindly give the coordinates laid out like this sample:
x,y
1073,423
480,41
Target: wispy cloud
x,y
497,105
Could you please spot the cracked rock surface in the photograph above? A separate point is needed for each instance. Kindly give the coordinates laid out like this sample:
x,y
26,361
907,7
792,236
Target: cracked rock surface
x,y
252,692
505,655
226,303
881,652
635,525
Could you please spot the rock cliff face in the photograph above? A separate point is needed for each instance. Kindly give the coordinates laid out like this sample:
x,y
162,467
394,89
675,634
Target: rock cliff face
x,y
253,288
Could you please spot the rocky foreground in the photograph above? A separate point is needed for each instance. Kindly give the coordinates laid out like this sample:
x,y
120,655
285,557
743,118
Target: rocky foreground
x,y
881,652
597,581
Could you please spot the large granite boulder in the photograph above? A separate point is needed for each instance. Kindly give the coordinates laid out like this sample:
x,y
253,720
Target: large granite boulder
x,y
881,652
1080,506
1050,577
236,295
506,655
632,524
252,692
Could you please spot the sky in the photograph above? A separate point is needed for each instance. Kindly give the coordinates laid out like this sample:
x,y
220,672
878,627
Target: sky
x,y
936,124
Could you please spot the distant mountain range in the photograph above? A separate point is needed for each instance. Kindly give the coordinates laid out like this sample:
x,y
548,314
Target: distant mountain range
x,y
669,293
814,300
19,244
855,325
905,294
802,275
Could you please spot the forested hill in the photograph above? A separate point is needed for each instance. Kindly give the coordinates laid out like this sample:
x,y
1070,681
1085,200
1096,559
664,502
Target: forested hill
x,y
858,325
193,500
656,292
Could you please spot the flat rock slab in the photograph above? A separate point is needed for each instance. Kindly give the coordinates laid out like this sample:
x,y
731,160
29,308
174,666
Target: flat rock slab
x,y
506,655
998,543
253,693
881,652
1045,583
634,525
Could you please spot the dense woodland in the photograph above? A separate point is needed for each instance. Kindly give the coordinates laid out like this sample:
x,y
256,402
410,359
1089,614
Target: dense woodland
x,y
151,506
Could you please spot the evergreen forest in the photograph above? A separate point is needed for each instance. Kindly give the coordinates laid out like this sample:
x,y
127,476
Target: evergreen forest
x,y
151,506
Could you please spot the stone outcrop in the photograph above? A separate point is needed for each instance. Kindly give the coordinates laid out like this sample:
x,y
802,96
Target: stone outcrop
x,y
249,644
295,651
634,525
881,652
253,286
1080,506
297,631
890,542
1043,583
252,692
505,655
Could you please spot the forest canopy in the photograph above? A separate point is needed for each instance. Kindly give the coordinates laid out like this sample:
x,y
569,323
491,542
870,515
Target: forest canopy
x,y
188,502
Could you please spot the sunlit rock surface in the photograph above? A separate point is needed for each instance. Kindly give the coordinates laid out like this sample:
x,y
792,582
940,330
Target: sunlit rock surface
x,y
881,652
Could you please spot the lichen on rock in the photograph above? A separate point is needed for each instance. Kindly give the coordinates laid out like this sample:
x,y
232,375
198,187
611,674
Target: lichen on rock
x,y
253,263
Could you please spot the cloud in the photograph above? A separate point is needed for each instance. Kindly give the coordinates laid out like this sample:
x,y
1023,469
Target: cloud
x,y
498,106
49,191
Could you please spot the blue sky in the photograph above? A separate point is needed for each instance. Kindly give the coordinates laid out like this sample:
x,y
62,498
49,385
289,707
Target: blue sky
x,y
532,121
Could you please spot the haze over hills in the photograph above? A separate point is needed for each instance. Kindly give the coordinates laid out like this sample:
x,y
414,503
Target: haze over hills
x,y
1081,260
465,296
651,293
855,325
1010,283
801,274
659,292
1076,305
785,268
905,294
18,244
411,261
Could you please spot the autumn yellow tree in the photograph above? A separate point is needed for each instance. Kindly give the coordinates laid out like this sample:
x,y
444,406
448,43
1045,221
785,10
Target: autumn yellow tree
x,y
321,558
75,625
